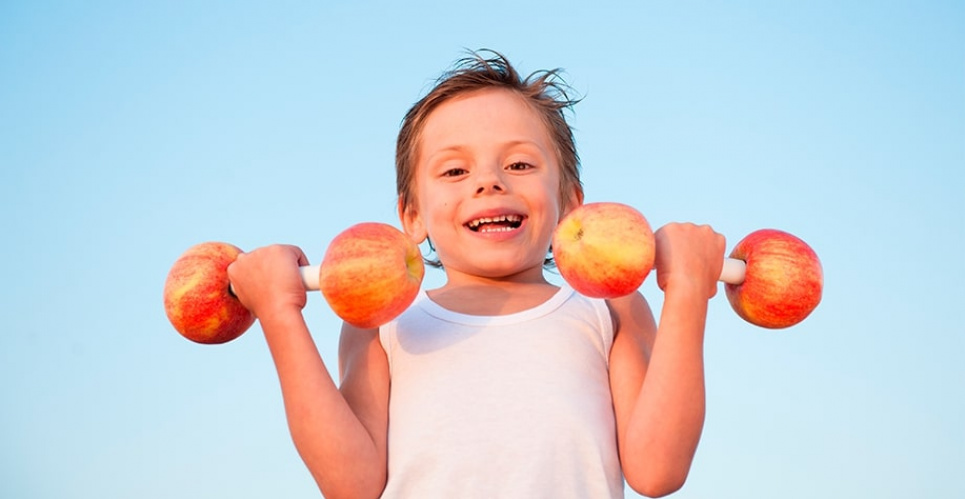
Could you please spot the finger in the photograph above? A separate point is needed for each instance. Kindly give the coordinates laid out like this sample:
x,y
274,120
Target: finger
x,y
302,258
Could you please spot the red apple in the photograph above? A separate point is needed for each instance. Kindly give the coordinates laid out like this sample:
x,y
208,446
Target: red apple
x,y
604,250
370,274
782,283
197,299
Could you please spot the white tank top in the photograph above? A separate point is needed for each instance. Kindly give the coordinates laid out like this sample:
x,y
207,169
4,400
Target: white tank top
x,y
513,406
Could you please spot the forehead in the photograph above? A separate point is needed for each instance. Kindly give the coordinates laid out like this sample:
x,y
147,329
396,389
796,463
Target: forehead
x,y
488,114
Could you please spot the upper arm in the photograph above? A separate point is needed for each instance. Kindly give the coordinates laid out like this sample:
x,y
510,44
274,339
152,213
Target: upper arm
x,y
658,397
364,374
634,334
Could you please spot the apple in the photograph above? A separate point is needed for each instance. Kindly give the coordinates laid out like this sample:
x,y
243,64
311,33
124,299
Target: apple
x,y
604,250
371,273
197,296
783,280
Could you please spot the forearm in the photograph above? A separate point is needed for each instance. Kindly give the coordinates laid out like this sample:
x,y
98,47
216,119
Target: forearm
x,y
334,444
669,413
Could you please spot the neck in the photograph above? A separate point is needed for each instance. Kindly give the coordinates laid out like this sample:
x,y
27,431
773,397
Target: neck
x,y
479,295
524,278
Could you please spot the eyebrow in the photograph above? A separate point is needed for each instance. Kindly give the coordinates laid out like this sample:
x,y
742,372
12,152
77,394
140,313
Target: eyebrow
x,y
505,145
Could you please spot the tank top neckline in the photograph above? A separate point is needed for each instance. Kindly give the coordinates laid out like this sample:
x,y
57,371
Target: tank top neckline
x,y
438,311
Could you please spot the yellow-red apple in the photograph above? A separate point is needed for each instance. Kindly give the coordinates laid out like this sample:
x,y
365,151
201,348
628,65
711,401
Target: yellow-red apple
x,y
604,250
197,298
783,280
371,272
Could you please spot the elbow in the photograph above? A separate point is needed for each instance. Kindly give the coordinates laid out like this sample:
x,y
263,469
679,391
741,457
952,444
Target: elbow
x,y
658,470
657,484
348,478
349,489
657,488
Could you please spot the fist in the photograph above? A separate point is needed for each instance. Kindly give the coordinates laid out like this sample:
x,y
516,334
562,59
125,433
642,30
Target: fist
x,y
268,279
689,257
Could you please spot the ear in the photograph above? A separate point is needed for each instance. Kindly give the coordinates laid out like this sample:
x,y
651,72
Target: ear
x,y
412,223
572,201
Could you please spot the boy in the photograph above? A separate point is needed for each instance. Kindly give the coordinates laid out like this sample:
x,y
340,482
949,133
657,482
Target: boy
x,y
498,383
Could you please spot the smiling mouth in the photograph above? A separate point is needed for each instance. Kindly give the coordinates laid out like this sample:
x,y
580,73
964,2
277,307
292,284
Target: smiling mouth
x,y
501,223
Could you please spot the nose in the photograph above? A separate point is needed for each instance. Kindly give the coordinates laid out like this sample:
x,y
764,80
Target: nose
x,y
490,180
487,187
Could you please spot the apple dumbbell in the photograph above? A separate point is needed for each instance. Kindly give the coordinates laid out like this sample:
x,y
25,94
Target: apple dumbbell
x,y
197,295
606,250
782,281
370,273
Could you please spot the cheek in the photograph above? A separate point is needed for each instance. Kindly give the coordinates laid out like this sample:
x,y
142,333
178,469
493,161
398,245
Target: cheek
x,y
437,216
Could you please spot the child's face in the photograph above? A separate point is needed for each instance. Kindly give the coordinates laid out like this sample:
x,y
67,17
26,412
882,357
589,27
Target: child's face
x,y
487,186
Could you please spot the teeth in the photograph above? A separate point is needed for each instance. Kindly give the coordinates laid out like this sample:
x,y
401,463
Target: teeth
x,y
487,220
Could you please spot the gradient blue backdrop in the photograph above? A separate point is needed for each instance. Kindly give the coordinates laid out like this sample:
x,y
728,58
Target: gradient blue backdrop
x,y
132,130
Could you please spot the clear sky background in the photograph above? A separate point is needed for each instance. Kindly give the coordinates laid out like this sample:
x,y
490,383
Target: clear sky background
x,y
130,131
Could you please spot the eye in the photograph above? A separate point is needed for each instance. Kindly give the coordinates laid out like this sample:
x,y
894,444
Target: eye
x,y
519,165
454,172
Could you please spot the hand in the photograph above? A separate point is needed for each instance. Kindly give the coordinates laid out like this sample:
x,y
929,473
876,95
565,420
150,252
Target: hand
x,y
689,257
267,280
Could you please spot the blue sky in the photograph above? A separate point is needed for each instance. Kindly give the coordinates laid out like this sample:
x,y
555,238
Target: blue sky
x,y
131,130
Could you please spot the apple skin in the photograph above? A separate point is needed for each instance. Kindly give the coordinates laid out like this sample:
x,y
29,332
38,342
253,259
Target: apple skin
x,y
197,296
604,249
783,280
370,274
